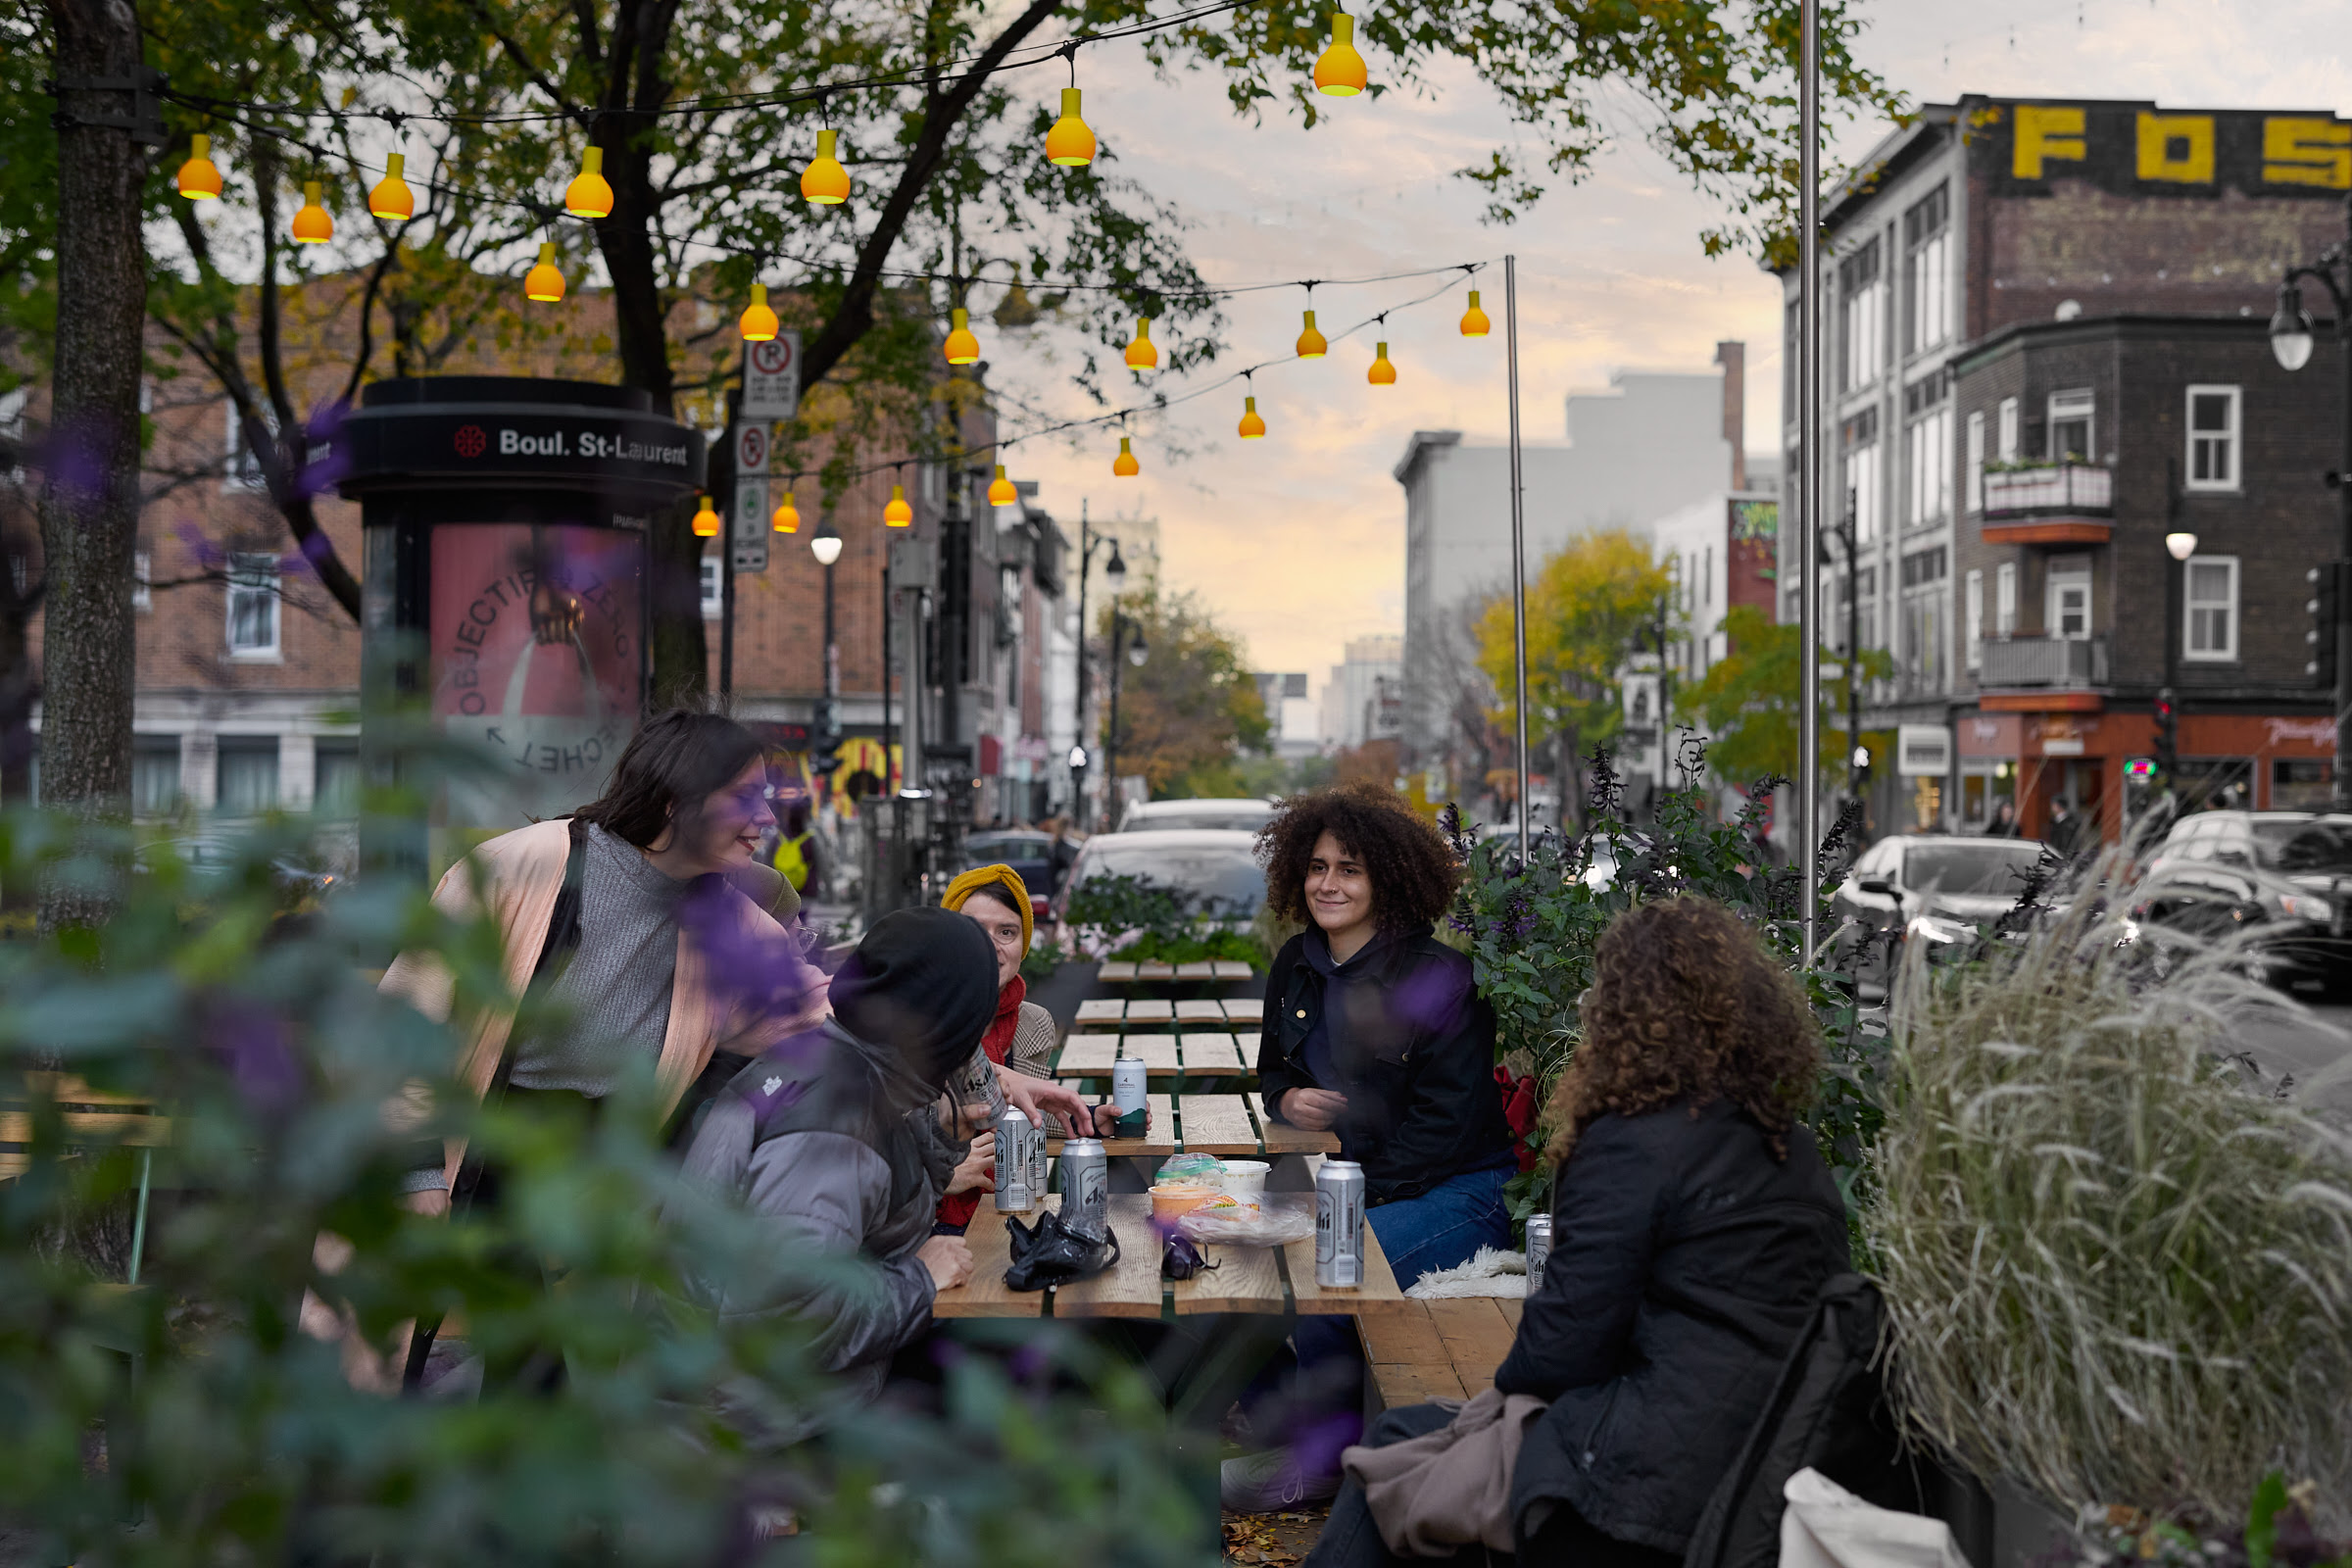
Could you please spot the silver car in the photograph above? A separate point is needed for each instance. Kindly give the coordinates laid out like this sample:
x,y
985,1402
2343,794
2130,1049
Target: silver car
x,y
1239,815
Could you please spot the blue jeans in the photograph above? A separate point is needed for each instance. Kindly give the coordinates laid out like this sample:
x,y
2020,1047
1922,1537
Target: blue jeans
x,y
1444,1226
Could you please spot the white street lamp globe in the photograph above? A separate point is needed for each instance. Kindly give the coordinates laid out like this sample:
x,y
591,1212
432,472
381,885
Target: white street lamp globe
x,y
2181,546
825,546
1077,757
1861,756
1139,652
2290,331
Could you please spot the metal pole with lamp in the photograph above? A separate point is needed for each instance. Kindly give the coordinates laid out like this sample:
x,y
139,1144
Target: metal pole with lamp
x,y
1510,327
1137,652
825,760
1809,457
2179,546
2292,343
1114,575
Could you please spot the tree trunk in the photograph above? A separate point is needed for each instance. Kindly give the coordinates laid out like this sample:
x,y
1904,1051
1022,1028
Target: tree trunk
x,y
90,496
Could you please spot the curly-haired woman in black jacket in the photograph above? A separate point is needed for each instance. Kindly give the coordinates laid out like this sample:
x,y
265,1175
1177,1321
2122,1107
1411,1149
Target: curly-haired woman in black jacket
x,y
1694,1224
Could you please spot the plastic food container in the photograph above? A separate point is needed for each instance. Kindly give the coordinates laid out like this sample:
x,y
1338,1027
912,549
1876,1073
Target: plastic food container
x,y
1172,1201
1245,1180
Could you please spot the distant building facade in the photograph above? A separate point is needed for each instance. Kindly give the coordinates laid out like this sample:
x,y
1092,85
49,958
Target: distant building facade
x,y
1364,699
1296,722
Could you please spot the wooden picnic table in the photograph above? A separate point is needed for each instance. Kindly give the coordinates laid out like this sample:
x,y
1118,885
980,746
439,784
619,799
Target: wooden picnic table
x,y
1120,972
1245,1279
1159,1138
89,1118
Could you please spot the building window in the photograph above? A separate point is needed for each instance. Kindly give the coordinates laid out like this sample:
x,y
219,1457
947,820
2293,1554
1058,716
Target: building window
x,y
1862,295
335,778
142,583
248,776
2006,447
154,775
1976,619
1924,572
1927,271
2071,429
2211,631
253,607
1860,501
240,465
1928,450
2004,600
2213,413
2067,609
1857,604
714,590
1976,462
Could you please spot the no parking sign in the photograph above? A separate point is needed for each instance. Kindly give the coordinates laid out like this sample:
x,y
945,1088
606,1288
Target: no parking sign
x,y
771,378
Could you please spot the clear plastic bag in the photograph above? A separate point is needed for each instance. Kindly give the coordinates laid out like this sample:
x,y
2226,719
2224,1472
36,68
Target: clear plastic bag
x,y
1230,1224
1204,1170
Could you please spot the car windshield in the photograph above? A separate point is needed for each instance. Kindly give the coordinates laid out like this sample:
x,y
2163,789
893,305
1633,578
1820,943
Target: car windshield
x,y
2305,849
1969,868
1212,878
1236,819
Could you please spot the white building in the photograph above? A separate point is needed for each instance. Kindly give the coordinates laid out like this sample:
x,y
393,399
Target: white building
x,y
1364,700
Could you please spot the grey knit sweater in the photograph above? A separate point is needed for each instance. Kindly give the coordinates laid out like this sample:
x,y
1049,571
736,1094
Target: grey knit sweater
x,y
616,988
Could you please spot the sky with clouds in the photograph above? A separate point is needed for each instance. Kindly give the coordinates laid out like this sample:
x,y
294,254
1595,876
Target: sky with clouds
x,y
1298,541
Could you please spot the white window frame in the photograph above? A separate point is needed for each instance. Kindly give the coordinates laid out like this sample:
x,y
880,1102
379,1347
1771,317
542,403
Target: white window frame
x,y
259,582
142,580
2060,581
1975,619
240,468
2004,600
2006,447
1974,479
1927,454
2227,652
2228,441
715,591
2075,403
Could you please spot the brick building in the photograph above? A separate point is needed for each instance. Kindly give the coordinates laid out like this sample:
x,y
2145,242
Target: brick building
x,y
2025,306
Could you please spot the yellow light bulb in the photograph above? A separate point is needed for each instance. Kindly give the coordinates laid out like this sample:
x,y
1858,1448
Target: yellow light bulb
x,y
897,515
1474,320
391,199
1311,345
1253,426
1124,465
758,321
961,347
1070,144
824,181
787,518
546,280
591,194
200,176
706,520
1341,69
311,225
1382,373
1000,490
1143,353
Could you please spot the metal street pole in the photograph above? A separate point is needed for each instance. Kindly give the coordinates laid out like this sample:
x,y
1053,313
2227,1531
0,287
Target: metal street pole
x,y
2343,547
1809,459
1086,563
1110,735
1510,331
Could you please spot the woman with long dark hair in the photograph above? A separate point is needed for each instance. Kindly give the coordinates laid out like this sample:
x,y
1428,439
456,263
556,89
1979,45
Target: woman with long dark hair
x,y
1693,1225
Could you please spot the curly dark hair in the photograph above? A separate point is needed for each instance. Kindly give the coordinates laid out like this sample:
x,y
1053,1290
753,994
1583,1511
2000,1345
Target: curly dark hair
x,y
1413,869
1686,1006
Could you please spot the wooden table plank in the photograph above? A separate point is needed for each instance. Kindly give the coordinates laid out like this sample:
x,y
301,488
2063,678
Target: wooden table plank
x,y
1131,1286
1197,969
1230,969
985,1294
1477,1337
1246,1012
1513,1306
1414,1383
1160,1138
1217,1124
1204,1009
1099,1009
1112,974
1404,1339
1151,1010
1154,971
1280,1138
1245,1279
1210,1052
1376,1295
1086,1056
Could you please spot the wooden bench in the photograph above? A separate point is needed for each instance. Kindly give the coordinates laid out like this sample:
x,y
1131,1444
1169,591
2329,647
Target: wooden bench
x,y
90,1119
1438,1349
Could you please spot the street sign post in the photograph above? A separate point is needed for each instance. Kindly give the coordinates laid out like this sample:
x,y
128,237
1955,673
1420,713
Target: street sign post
x,y
747,530
771,378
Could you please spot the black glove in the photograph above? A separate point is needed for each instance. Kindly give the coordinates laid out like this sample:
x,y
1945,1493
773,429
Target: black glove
x,y
1053,1253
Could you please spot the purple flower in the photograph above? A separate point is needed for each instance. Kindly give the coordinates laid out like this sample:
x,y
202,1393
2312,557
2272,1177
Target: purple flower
x,y
257,1047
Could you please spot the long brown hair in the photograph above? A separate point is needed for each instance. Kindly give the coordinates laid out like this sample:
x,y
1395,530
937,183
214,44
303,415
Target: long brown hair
x,y
1686,1008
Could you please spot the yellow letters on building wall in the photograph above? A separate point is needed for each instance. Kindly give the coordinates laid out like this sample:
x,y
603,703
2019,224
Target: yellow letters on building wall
x,y
2307,152
2175,147
2046,132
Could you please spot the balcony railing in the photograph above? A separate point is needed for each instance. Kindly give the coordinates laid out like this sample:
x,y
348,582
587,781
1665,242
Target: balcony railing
x,y
2051,490
2012,661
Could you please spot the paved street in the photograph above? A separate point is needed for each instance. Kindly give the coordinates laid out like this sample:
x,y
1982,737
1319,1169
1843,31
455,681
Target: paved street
x,y
2317,1053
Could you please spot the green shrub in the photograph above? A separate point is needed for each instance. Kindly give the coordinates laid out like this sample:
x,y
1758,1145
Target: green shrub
x,y
1193,946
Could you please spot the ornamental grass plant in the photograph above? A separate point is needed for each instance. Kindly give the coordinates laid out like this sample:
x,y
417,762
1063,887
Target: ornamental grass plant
x,y
2117,1263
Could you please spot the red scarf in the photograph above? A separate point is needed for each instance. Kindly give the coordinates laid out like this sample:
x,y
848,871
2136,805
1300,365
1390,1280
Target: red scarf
x,y
957,1208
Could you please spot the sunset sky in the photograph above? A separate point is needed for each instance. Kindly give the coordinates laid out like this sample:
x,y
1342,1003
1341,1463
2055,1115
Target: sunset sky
x,y
1298,541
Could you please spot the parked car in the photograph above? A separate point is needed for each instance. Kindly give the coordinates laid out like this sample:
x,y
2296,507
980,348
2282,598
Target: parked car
x,y
1213,870
1931,886
1241,814
1028,851
2283,876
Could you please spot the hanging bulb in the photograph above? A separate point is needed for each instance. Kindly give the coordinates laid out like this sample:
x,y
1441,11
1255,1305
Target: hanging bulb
x,y
1124,465
311,225
1000,490
705,521
759,323
1474,320
897,515
590,195
1311,345
961,347
1069,143
1382,373
787,518
1341,69
1143,353
824,181
391,199
546,280
200,176
1253,427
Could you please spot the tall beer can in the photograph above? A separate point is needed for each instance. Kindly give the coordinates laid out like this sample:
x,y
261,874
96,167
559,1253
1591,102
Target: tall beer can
x,y
1339,1223
1085,1187
1127,1095
1539,1249
1020,1163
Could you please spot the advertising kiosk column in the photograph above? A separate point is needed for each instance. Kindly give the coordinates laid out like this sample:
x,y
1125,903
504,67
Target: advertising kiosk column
x,y
505,606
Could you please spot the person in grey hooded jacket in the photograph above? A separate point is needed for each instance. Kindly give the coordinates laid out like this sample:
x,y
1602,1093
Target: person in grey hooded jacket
x,y
834,1139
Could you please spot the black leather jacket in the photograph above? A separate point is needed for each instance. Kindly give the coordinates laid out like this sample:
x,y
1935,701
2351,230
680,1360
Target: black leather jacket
x,y
1412,1044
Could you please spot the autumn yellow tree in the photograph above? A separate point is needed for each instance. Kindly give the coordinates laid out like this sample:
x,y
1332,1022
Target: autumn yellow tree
x,y
1747,702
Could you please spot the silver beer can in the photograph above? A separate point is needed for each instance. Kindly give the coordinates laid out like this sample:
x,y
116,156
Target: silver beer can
x,y
1127,1095
1539,1249
1339,1223
1020,1163
1086,1186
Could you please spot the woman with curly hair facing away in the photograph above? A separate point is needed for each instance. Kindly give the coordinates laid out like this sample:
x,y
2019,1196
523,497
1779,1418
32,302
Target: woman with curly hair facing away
x,y
1694,1224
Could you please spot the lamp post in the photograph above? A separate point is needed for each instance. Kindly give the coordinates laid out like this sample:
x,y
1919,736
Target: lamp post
x,y
1137,652
2179,546
1114,573
2291,343
825,546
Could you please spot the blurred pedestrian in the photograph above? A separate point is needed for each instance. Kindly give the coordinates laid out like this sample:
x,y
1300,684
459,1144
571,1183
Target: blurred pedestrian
x,y
2004,821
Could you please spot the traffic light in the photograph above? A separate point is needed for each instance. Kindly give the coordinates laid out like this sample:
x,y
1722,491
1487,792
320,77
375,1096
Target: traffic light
x,y
2167,732
2325,604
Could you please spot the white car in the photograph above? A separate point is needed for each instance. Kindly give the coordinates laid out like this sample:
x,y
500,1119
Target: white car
x,y
1213,870
1240,815
1935,887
